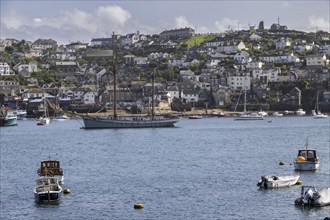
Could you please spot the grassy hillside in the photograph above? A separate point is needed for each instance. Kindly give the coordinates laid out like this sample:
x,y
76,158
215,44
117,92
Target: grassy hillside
x,y
200,39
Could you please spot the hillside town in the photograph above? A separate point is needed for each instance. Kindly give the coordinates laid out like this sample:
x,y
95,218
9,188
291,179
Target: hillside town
x,y
278,68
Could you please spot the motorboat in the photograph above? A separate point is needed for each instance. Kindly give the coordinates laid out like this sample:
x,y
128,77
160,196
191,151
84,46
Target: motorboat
x,y
277,114
47,189
6,119
306,159
51,168
249,116
310,196
300,112
195,117
276,181
262,113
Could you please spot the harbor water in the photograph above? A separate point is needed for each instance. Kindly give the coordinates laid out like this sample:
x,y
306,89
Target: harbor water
x,y
201,169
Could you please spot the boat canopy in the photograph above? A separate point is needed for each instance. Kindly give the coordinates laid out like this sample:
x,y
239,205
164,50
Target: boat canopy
x,y
309,153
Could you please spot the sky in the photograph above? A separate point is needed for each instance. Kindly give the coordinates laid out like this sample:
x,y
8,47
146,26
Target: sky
x,y
73,21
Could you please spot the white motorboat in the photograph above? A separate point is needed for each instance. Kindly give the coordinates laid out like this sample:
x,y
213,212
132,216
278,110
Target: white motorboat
x,y
310,196
262,113
47,189
276,181
300,112
306,159
277,114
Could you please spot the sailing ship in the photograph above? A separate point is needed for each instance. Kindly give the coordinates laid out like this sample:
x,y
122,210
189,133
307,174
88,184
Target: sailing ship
x,y
114,121
248,115
317,113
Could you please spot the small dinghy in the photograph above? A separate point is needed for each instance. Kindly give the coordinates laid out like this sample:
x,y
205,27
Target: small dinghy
x,y
275,181
310,196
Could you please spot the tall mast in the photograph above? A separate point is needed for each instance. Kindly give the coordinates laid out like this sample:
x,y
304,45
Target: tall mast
x,y
244,100
153,94
114,77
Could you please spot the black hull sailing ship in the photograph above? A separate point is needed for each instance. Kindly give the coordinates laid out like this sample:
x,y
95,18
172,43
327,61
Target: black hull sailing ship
x,y
96,122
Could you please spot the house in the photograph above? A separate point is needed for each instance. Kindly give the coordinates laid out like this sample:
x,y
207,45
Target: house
x,y
242,57
316,61
188,75
130,39
182,32
281,43
9,87
239,82
231,47
44,44
94,54
67,66
254,64
255,37
77,46
105,41
302,47
30,67
5,69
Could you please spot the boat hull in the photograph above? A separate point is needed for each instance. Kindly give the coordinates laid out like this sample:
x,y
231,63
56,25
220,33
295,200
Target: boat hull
x,y
270,182
47,196
8,121
98,123
306,166
312,197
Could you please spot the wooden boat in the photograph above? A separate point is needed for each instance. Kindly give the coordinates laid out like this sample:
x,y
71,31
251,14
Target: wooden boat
x,y
275,181
91,122
47,189
51,168
306,159
310,196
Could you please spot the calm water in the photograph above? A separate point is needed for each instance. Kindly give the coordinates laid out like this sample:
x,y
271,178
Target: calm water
x,y
203,169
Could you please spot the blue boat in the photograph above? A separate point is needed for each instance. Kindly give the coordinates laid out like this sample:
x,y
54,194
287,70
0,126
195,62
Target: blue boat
x,y
7,120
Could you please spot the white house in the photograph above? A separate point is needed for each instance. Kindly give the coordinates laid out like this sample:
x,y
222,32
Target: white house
x,y
89,98
29,67
239,82
231,47
255,37
254,65
242,57
5,69
316,61
282,43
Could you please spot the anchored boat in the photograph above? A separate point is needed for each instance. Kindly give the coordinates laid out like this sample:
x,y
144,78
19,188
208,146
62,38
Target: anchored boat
x,y
47,189
310,196
307,159
275,181
51,168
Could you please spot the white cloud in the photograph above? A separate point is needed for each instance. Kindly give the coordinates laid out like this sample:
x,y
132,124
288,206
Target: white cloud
x,y
13,21
181,22
225,24
114,14
319,23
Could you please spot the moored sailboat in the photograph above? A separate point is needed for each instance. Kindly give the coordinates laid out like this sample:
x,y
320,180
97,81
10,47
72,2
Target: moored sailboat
x,y
114,121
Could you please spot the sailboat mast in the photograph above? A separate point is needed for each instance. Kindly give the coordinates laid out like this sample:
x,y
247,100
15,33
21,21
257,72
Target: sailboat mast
x,y
244,100
114,77
153,94
317,103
